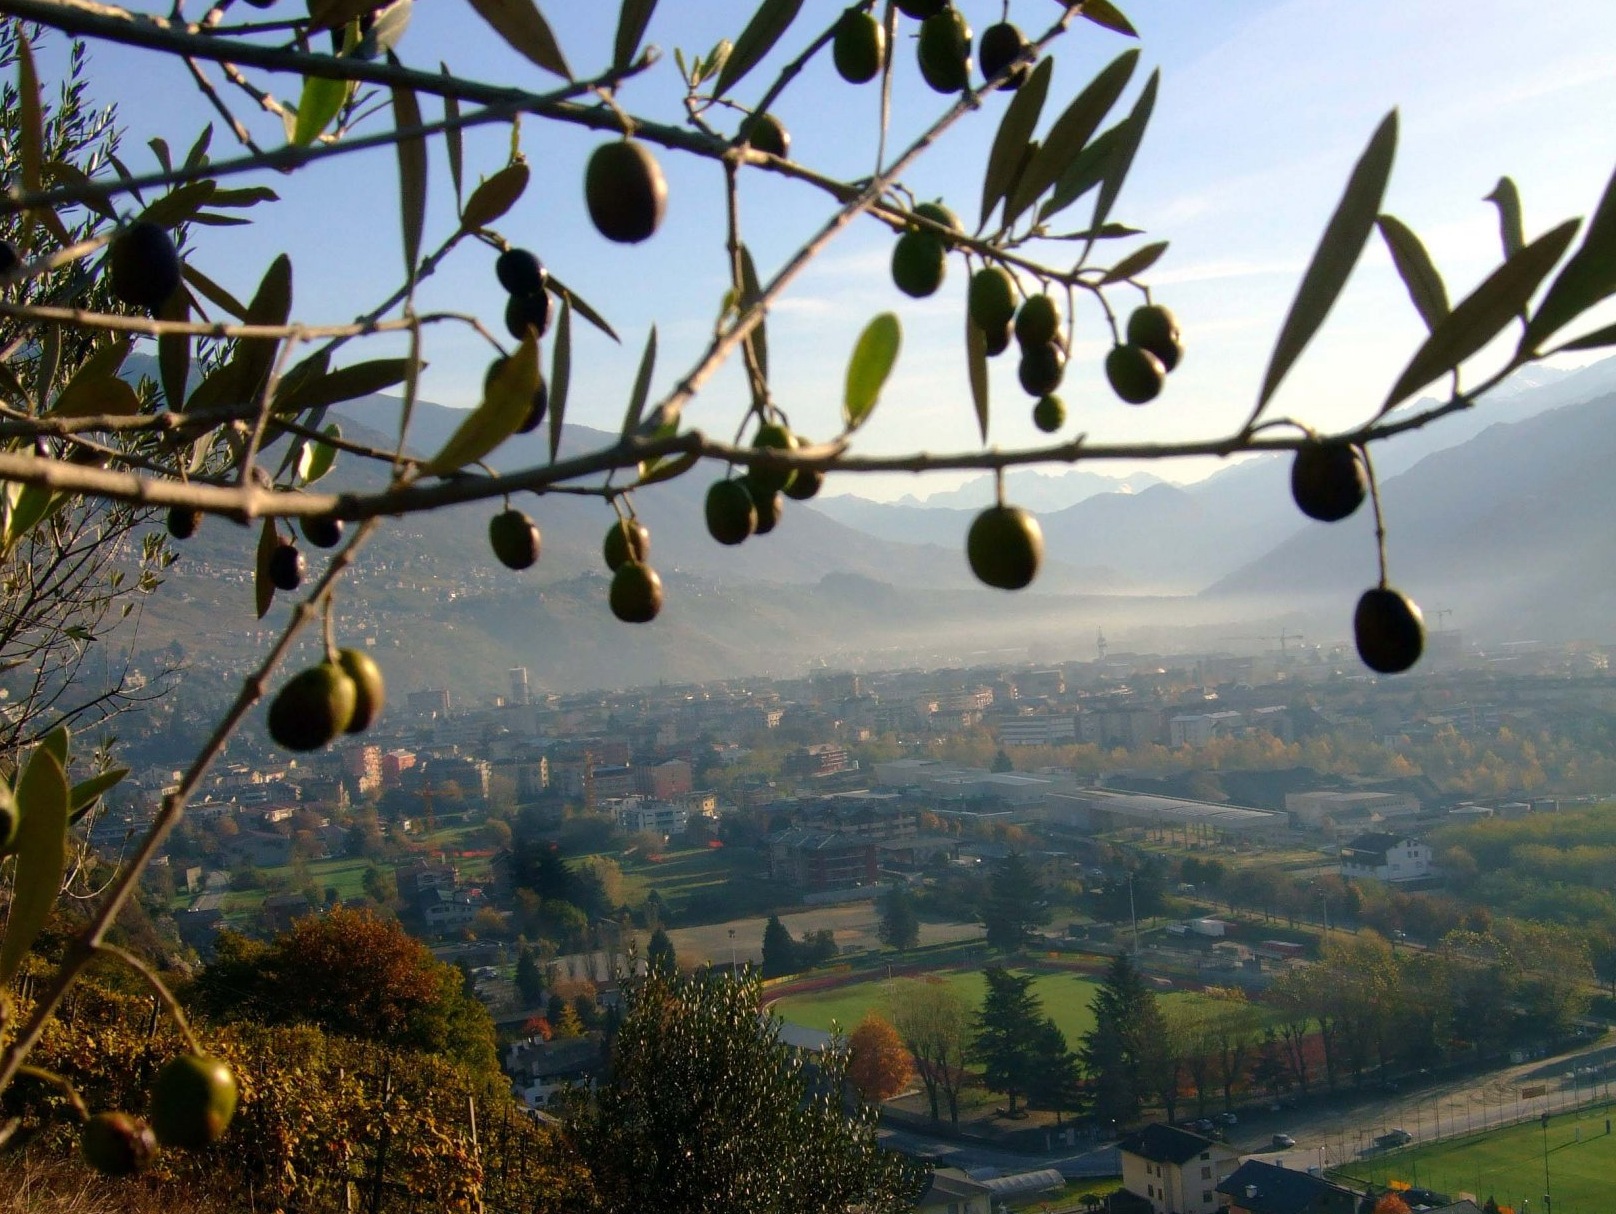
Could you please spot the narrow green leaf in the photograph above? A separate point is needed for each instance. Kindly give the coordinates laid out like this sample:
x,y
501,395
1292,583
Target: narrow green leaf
x,y
249,196
1008,155
667,469
1104,13
1106,231
493,197
33,503
526,31
874,355
179,204
1338,252
1135,263
345,383
263,587
507,401
88,397
642,385
270,306
387,30
59,742
334,14
322,100
452,141
771,20
213,220
41,847
1129,134
198,154
581,306
976,363
213,291
1418,272
1587,278
1482,315
1511,231
560,373
60,173
411,177
319,457
174,352
159,147
50,358
86,792
1596,340
632,21
30,118
751,292
1071,132
1082,175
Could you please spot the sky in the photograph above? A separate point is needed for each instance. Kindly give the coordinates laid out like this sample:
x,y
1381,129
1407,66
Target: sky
x,y
1264,107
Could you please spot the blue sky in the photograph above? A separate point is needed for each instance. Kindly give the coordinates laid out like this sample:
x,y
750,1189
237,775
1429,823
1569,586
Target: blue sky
x,y
1264,106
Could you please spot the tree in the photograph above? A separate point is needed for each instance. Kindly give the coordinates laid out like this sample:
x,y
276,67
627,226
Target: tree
x,y
900,924
1123,1053
935,1023
1055,1075
529,977
1014,904
1007,1028
350,973
706,1109
878,1063
253,441
779,949
659,954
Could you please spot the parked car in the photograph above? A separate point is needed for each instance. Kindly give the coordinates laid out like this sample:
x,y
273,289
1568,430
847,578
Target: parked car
x,y
1283,1142
1394,1138
1228,1119
1203,1126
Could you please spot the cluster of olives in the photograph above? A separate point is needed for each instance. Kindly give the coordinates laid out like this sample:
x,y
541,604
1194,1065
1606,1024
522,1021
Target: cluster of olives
x,y
1329,481
332,698
193,1099
920,257
740,507
145,266
625,191
943,48
636,590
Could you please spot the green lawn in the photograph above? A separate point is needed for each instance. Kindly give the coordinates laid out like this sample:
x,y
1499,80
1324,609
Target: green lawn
x,y
1508,1164
1066,998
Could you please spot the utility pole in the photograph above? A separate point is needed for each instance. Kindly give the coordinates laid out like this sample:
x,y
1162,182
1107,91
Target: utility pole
x,y
1133,917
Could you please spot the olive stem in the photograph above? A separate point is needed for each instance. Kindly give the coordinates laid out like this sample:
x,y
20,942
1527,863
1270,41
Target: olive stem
x,y
159,988
62,1083
1380,521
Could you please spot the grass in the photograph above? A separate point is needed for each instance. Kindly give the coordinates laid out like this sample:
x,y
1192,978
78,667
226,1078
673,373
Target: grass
x,y
1066,998
1507,1164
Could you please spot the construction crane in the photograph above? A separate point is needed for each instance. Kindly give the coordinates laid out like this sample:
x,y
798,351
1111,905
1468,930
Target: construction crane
x,y
1283,637
1099,642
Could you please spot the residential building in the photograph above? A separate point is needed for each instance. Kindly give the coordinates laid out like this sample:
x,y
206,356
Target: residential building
x,y
1176,1171
824,759
1256,1187
1197,729
1381,856
951,1191
635,814
664,781
819,860
1044,729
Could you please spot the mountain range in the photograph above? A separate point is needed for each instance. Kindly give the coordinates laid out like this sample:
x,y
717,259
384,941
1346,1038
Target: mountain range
x,y
1507,524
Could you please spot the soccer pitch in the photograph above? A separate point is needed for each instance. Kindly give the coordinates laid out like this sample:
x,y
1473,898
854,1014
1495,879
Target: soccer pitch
x,y
1507,1164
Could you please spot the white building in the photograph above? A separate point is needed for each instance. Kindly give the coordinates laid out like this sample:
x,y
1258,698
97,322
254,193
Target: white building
x,y
1386,857
635,814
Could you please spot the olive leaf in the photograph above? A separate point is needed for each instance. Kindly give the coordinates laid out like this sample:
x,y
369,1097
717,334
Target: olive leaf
x,y
581,306
83,796
317,458
31,505
180,204
1338,252
1418,272
263,587
1104,13
1587,278
526,31
1135,263
41,847
30,117
1082,175
88,396
321,101
1482,315
213,291
632,21
334,14
271,305
411,177
1006,159
1130,131
1071,132
346,383
771,20
560,373
976,363
453,144
751,292
507,401
874,355
493,197
1511,232
642,385
60,173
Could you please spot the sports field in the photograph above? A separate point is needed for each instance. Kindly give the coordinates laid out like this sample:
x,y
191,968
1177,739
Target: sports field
x,y
1066,998
1507,1165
